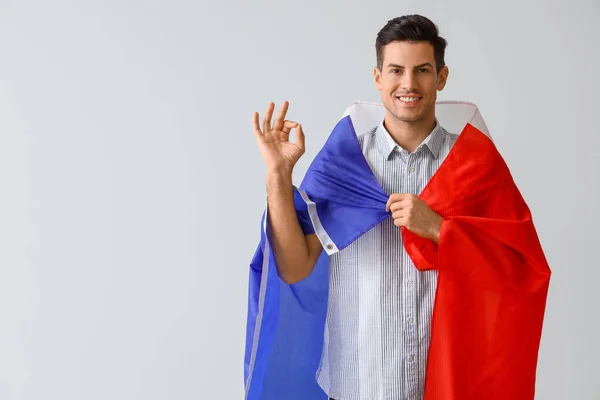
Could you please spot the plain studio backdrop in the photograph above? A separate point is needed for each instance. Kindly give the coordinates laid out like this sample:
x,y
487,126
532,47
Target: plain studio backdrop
x,y
132,188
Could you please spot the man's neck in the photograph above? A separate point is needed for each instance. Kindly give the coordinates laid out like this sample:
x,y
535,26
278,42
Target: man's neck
x,y
409,135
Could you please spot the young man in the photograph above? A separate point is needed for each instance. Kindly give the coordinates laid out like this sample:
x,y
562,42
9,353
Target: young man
x,y
373,333
404,151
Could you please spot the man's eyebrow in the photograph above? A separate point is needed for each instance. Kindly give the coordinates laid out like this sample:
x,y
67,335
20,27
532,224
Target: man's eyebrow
x,y
417,67
424,65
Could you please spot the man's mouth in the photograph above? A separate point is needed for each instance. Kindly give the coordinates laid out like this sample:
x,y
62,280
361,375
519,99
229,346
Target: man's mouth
x,y
408,99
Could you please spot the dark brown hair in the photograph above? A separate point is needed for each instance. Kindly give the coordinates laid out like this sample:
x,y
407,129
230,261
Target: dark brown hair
x,y
411,28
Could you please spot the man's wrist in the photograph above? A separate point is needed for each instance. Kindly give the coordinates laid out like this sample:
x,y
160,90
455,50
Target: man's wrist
x,y
436,229
280,176
283,172
279,183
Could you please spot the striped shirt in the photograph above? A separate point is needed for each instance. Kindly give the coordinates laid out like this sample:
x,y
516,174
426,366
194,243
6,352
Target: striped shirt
x,y
379,310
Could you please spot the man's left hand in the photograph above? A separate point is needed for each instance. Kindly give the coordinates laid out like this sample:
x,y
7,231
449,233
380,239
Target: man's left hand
x,y
411,212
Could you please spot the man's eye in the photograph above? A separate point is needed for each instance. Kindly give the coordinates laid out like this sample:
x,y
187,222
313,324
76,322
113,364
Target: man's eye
x,y
423,70
394,71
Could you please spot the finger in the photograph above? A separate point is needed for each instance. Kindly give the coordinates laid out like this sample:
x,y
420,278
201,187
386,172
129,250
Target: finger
x,y
405,204
398,205
400,222
256,125
278,124
288,126
300,138
393,199
267,118
399,214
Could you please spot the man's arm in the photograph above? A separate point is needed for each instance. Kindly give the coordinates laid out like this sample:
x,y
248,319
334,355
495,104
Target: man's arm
x,y
295,253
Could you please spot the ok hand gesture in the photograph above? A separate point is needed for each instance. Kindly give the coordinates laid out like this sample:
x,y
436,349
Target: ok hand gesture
x,y
279,154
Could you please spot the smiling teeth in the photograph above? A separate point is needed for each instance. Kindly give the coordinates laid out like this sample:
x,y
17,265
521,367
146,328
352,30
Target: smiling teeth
x,y
408,99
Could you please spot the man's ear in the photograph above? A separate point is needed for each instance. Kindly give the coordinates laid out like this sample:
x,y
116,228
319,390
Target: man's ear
x,y
443,77
377,78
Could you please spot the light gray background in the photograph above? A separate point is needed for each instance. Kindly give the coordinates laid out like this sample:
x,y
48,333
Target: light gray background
x,y
131,186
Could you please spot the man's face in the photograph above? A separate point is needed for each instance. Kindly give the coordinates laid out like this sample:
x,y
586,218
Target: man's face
x,y
408,81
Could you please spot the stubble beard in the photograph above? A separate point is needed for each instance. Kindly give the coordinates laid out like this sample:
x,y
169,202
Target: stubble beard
x,y
407,118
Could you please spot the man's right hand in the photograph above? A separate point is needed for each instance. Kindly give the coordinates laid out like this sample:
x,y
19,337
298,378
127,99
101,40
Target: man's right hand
x,y
295,253
280,155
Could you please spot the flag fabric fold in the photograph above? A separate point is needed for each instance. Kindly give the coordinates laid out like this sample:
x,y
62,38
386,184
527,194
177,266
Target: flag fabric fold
x,y
493,277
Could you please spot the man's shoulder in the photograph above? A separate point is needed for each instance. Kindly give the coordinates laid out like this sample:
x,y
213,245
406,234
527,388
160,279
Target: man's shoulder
x,y
368,134
367,138
450,137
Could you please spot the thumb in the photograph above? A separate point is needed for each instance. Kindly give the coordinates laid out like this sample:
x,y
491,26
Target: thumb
x,y
300,138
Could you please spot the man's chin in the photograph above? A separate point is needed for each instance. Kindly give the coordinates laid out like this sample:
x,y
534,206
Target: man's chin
x,y
407,117
404,115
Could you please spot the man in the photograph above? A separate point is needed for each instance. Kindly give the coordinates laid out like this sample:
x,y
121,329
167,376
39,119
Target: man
x,y
404,151
379,306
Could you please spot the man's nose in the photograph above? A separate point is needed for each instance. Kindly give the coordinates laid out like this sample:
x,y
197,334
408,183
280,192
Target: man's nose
x,y
409,82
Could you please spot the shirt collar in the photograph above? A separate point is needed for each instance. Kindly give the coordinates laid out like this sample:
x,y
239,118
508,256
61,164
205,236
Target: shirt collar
x,y
387,144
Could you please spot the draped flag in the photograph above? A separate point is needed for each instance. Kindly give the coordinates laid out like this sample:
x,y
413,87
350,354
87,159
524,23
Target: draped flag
x,y
493,277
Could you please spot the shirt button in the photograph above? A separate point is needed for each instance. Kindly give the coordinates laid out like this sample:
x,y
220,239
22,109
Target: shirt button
x,y
411,358
409,281
410,320
411,169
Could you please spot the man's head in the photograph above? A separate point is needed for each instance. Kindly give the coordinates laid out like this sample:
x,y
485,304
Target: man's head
x,y
410,68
